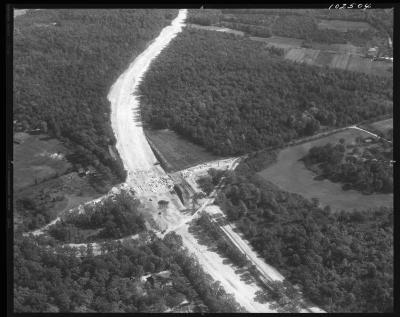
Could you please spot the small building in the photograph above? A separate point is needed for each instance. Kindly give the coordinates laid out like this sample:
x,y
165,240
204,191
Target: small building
x,y
159,279
372,52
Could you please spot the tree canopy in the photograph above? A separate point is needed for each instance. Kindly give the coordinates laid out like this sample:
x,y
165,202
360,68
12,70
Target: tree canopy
x,y
343,262
240,96
65,62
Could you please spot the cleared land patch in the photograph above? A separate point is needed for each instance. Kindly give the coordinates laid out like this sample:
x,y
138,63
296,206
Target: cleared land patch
x,y
178,153
343,26
291,175
382,126
281,42
51,198
324,58
340,61
44,184
345,61
37,158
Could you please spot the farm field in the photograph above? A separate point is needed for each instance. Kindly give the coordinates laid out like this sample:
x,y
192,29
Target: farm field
x,y
178,153
339,48
345,61
286,43
343,26
37,158
380,126
291,175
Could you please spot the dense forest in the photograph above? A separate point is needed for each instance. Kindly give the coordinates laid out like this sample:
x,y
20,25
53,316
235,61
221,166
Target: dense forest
x,y
239,96
65,62
113,218
48,281
301,24
343,262
368,170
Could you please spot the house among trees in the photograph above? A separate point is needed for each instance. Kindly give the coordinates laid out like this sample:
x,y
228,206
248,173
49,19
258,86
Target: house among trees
x,y
158,280
372,52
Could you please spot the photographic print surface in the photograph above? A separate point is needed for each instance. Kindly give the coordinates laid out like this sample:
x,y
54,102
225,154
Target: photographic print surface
x,y
203,160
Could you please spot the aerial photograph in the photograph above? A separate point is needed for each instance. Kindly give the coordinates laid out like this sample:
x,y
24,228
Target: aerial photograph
x,y
230,160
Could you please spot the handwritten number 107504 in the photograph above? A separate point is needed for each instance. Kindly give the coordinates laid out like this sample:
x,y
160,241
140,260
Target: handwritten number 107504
x,y
351,6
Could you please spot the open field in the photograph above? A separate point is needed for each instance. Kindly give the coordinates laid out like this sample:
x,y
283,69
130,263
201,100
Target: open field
x,y
290,174
285,43
382,126
339,48
343,26
55,196
340,61
178,152
345,61
324,58
379,127
37,158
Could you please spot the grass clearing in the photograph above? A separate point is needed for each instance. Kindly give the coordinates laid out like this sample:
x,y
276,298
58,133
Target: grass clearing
x,y
285,40
177,153
37,158
296,55
358,64
380,126
291,175
340,61
324,58
347,48
55,196
343,26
